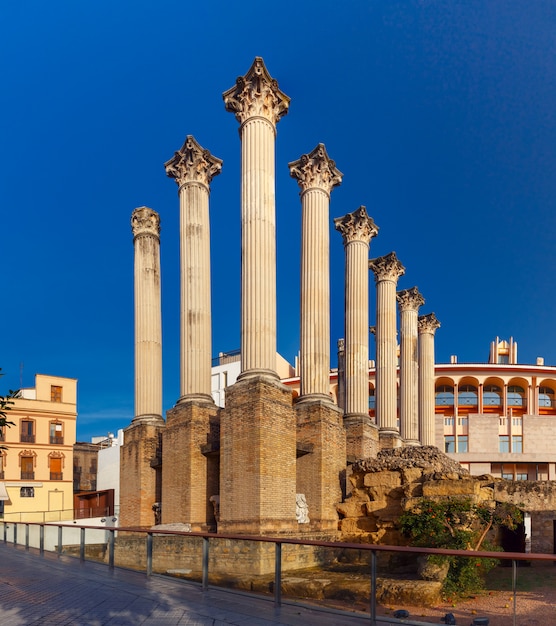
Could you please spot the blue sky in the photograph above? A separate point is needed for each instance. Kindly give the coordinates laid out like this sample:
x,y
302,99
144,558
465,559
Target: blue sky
x,y
441,115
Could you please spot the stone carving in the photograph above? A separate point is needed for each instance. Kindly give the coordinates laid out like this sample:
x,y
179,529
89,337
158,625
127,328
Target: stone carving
x,y
256,95
410,299
428,323
341,345
216,506
316,169
356,226
157,510
387,267
192,163
145,221
301,508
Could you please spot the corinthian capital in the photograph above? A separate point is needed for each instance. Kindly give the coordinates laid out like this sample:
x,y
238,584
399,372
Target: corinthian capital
x,y
193,164
145,221
428,323
387,267
256,95
410,299
356,226
316,169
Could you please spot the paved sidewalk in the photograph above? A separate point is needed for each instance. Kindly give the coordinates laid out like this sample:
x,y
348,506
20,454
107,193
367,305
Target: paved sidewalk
x,y
51,590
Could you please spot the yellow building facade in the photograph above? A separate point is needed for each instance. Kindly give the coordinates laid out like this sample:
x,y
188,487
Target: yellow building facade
x,y
36,468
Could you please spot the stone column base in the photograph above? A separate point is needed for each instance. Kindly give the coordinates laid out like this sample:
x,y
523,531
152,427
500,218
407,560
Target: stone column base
x,y
361,437
140,472
190,472
389,439
258,458
321,462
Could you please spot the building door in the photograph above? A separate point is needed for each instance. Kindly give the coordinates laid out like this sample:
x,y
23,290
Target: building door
x,y
55,500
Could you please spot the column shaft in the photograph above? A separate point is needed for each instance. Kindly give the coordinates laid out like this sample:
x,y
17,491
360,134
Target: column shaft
x,y
427,327
148,317
258,245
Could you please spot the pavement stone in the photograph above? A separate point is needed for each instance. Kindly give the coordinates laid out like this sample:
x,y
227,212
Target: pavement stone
x,y
58,590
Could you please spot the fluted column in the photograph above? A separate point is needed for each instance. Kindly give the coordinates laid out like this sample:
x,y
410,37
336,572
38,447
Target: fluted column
x,y
317,175
258,105
193,168
409,302
387,270
427,325
145,225
357,230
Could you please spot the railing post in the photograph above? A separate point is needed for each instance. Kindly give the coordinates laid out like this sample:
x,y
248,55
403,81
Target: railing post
x,y
149,554
41,538
27,536
15,534
5,532
59,540
111,549
514,589
373,587
277,574
82,544
205,563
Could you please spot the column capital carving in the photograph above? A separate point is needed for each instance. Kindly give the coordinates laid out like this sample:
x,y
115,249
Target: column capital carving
x,y
316,170
145,221
193,164
341,344
410,299
387,267
427,323
356,226
256,95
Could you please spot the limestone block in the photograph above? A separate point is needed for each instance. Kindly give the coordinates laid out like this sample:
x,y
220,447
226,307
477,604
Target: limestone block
x,y
411,474
383,480
463,487
351,508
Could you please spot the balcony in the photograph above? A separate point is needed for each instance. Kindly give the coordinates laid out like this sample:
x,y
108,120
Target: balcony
x,y
56,440
56,476
27,475
25,438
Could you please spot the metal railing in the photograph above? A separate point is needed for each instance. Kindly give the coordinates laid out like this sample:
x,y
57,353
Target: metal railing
x,y
20,534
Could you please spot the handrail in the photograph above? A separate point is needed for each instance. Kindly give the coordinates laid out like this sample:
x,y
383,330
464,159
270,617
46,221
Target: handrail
x,y
149,533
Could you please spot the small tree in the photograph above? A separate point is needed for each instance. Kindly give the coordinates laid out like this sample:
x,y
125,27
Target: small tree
x,y
5,402
462,525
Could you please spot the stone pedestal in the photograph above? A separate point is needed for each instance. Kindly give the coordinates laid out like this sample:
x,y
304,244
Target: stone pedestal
x,y
258,459
362,440
190,472
321,462
140,459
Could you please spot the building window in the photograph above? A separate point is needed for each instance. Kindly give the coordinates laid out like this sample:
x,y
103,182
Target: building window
x,y
27,468
2,433
56,433
27,431
516,396
449,421
444,395
492,395
2,463
55,468
517,444
546,397
27,492
521,476
372,399
55,393
504,444
467,395
449,443
462,443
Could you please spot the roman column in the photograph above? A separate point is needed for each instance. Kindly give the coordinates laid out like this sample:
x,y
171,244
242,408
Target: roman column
x,y
409,302
190,473
145,225
193,169
258,423
139,477
427,325
357,230
387,270
258,105
316,174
